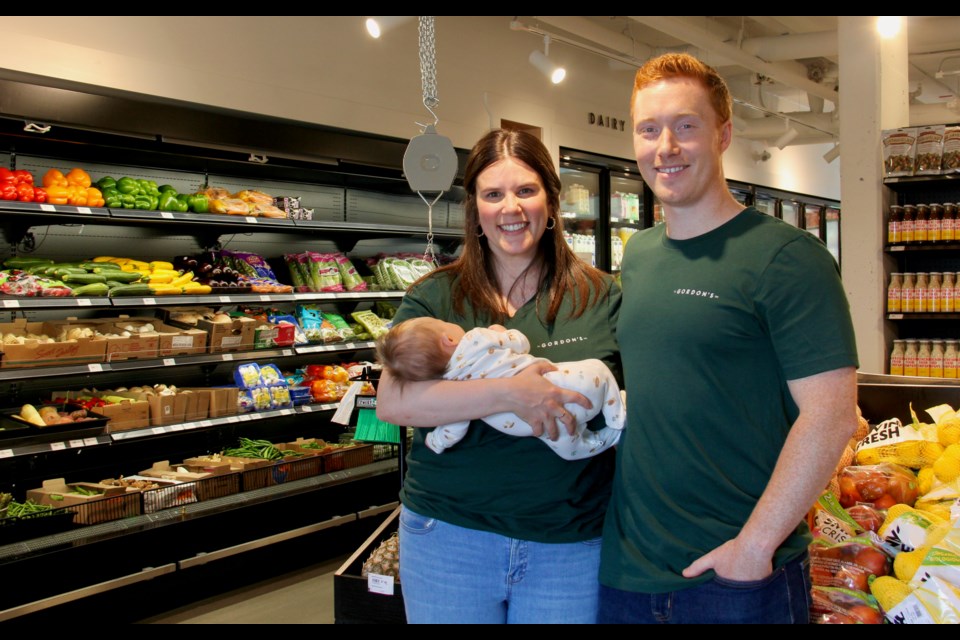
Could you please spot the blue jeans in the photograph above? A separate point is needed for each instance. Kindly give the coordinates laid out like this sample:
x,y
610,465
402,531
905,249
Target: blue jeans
x,y
450,574
783,597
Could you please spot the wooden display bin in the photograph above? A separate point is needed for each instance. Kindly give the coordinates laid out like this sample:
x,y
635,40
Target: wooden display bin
x,y
353,602
111,503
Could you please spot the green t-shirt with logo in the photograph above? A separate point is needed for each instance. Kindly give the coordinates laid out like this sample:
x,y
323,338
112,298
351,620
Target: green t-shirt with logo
x,y
513,486
718,324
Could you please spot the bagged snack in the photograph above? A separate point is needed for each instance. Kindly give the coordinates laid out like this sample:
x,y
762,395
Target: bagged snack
x,y
253,196
847,564
950,162
229,206
836,605
899,151
881,486
929,150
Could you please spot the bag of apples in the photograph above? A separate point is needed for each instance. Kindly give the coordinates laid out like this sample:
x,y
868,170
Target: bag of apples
x,y
847,564
879,485
836,605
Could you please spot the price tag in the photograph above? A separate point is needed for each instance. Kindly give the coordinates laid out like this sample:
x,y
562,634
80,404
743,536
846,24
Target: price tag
x,y
57,446
84,302
11,304
250,219
349,295
225,299
244,418
95,368
167,215
898,247
896,316
255,416
47,207
84,210
158,430
287,412
227,357
265,298
169,362
306,408
90,441
179,427
149,301
76,443
6,453
232,419
380,584
204,423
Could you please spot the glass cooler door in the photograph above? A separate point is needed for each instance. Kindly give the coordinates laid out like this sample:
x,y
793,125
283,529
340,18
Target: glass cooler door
x,y
626,213
580,209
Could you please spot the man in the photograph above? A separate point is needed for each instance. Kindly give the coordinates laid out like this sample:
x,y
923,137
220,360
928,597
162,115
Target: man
x,y
740,378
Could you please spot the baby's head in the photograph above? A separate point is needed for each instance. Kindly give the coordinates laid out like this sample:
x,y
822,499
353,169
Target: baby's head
x,y
418,349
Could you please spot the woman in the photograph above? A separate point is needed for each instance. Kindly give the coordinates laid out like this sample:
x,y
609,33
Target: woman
x,y
499,528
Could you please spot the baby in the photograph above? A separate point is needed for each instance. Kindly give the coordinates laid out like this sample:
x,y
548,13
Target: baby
x,y
428,348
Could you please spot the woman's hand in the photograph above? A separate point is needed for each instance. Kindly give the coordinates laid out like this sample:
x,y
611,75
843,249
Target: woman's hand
x,y
540,403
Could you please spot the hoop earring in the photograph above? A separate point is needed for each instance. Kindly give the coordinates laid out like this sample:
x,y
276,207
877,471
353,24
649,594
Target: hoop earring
x,y
551,223
480,233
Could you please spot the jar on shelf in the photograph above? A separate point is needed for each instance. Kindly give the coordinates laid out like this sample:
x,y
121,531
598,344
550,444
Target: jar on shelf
x,y
935,224
894,293
950,359
947,288
896,358
909,224
910,358
920,292
932,298
948,226
936,358
908,292
923,359
894,220
923,220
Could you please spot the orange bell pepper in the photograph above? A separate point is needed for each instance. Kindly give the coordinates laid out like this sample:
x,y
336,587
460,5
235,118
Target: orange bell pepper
x,y
79,177
56,194
54,178
94,197
76,195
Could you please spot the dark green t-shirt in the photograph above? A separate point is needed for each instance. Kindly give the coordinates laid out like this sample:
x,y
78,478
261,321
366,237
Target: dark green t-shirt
x,y
516,487
717,325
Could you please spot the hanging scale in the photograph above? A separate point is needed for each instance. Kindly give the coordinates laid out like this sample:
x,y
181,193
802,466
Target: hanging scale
x,y
429,163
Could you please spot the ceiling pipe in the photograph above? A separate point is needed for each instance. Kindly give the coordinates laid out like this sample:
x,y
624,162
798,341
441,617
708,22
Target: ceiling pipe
x,y
700,37
822,44
595,34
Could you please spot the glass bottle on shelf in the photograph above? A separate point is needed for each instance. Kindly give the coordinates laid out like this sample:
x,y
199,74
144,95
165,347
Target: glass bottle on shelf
x,y
921,227
909,224
935,224
946,292
950,359
948,226
908,292
920,292
910,358
896,358
956,292
894,220
923,359
894,293
936,359
933,292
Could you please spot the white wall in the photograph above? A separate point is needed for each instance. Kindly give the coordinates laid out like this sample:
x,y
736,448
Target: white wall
x,y
325,70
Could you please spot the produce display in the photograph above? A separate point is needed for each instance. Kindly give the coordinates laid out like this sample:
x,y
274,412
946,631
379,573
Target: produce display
x,y
50,415
385,559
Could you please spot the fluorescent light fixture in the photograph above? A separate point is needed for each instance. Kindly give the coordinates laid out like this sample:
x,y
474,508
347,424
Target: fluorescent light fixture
x,y
541,61
832,154
888,26
378,25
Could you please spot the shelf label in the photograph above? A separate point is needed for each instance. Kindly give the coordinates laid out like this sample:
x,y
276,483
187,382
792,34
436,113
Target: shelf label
x,y
11,304
84,210
167,215
90,441
6,453
225,299
898,247
265,298
244,418
169,362
250,219
95,368
48,207
377,583
896,316
204,423
57,446
76,443
178,427
232,420
286,412
84,302
306,408
287,352
149,301
227,357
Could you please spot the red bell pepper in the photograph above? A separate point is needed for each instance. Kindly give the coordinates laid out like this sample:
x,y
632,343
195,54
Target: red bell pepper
x,y
23,176
8,191
7,177
39,194
25,192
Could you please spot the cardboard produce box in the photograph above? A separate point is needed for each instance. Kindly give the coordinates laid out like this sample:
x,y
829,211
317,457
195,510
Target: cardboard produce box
x,y
163,469
33,353
223,401
222,337
124,416
110,503
133,347
198,405
171,341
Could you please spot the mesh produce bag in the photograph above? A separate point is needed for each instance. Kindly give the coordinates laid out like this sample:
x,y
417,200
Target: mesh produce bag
x,y
913,445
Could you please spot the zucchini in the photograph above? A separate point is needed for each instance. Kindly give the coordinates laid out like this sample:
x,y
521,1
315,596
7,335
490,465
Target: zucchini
x,y
130,290
94,289
117,275
25,262
90,266
83,278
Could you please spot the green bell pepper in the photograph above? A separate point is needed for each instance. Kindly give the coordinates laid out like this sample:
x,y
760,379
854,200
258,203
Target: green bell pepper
x,y
166,187
128,185
199,203
182,205
143,202
129,201
112,198
168,201
105,183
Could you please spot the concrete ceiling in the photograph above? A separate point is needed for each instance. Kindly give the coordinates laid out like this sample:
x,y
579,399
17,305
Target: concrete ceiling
x,y
776,66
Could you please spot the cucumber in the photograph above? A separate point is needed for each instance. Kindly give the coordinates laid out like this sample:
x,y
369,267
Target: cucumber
x,y
116,275
131,290
94,289
83,278
25,262
92,266
59,272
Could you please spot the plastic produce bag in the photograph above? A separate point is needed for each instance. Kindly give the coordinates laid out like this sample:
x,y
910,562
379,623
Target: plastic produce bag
x,y
879,485
836,605
847,564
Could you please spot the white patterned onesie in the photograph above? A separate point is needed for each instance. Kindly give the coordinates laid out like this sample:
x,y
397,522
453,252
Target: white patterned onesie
x,y
486,353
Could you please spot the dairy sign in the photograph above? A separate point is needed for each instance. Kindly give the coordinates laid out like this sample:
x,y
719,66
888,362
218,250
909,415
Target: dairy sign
x,y
607,122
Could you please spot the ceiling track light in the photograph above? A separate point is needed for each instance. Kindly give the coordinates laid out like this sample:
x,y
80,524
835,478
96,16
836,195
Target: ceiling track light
x,y
787,137
378,25
832,154
541,60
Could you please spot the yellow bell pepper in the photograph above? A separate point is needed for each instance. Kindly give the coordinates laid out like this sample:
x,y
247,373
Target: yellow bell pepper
x,y
76,195
54,178
78,177
57,194
94,197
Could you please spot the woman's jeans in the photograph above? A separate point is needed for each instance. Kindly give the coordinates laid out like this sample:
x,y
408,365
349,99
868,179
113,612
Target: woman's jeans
x,y
783,597
450,574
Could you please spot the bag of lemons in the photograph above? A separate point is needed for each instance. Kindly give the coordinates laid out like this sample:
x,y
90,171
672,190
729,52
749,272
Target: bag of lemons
x,y
913,445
